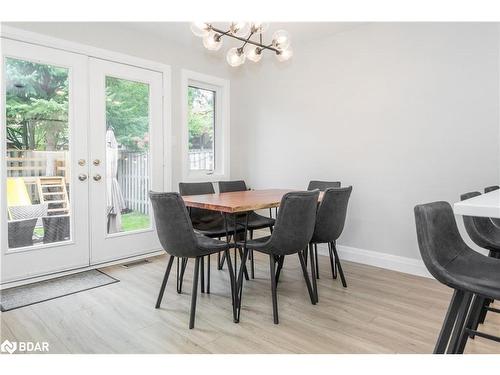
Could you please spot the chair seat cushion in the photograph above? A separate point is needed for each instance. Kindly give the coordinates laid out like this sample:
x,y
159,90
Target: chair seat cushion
x,y
256,221
260,244
208,245
476,273
215,227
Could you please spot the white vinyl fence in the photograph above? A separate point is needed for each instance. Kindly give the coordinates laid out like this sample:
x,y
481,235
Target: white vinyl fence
x,y
133,177
201,160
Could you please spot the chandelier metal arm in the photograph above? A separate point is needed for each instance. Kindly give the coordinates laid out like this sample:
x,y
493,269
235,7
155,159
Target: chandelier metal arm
x,y
228,33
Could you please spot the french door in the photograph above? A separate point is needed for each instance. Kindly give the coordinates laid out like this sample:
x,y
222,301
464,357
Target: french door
x,y
126,144
81,145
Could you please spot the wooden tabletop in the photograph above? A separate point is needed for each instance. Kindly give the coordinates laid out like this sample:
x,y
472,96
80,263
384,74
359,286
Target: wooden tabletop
x,y
238,201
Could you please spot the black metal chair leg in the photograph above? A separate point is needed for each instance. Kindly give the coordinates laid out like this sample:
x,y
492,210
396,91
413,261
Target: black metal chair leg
x,y
333,265
245,272
316,259
223,259
339,266
202,274
239,283
252,265
313,272
208,274
477,318
232,281
272,265
449,321
306,252
180,278
194,292
164,282
281,260
459,324
474,311
306,278
177,276
218,261
252,261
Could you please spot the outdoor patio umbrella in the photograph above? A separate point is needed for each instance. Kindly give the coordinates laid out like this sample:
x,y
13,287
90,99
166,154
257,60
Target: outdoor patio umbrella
x,y
114,196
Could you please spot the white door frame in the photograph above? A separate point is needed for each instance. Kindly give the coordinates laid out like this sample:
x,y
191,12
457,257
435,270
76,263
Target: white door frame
x,y
15,34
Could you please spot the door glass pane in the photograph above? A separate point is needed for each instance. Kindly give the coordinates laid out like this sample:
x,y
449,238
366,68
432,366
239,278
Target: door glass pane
x,y
201,124
127,155
38,168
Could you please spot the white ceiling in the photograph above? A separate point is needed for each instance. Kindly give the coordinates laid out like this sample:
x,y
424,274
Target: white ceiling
x,y
300,32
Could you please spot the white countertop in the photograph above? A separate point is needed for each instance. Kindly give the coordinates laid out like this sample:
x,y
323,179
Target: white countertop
x,y
486,205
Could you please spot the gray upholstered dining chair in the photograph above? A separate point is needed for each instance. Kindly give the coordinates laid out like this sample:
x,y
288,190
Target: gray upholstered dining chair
x,y
292,233
321,186
330,221
178,239
453,263
207,222
255,221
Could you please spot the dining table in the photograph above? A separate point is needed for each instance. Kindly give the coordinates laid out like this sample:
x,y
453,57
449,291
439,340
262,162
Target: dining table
x,y
484,205
236,206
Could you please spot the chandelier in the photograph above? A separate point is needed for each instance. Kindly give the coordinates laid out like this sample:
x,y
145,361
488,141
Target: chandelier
x,y
250,33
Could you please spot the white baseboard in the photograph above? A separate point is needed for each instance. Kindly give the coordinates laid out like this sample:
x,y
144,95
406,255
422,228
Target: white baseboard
x,y
383,260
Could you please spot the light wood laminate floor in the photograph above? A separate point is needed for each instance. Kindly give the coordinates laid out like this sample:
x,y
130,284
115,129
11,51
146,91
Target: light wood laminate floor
x,y
381,311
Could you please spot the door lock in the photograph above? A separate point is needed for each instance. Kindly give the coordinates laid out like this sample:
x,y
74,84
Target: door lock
x,y
96,162
81,162
97,177
82,176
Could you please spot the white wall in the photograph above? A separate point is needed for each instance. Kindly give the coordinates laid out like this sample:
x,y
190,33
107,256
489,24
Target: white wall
x,y
406,113
122,37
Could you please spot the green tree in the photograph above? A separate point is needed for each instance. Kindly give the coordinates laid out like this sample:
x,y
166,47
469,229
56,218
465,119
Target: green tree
x,y
36,105
127,112
200,117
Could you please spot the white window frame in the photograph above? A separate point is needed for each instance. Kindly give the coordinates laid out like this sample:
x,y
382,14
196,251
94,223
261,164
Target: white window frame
x,y
222,125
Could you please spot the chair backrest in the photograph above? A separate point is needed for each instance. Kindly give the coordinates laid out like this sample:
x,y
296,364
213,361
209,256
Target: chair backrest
x,y
491,188
295,222
438,238
478,228
229,186
331,215
196,188
173,225
198,215
322,185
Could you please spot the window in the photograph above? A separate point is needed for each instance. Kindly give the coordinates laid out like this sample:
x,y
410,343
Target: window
x,y
205,127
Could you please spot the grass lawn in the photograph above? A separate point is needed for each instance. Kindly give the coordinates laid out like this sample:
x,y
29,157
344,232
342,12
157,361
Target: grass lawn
x,y
134,221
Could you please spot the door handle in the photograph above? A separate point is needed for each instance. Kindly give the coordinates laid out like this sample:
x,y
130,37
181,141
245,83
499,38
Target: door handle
x,y
82,176
97,177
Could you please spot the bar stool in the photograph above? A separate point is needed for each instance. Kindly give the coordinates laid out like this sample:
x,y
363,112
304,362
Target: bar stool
x,y
454,264
484,233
